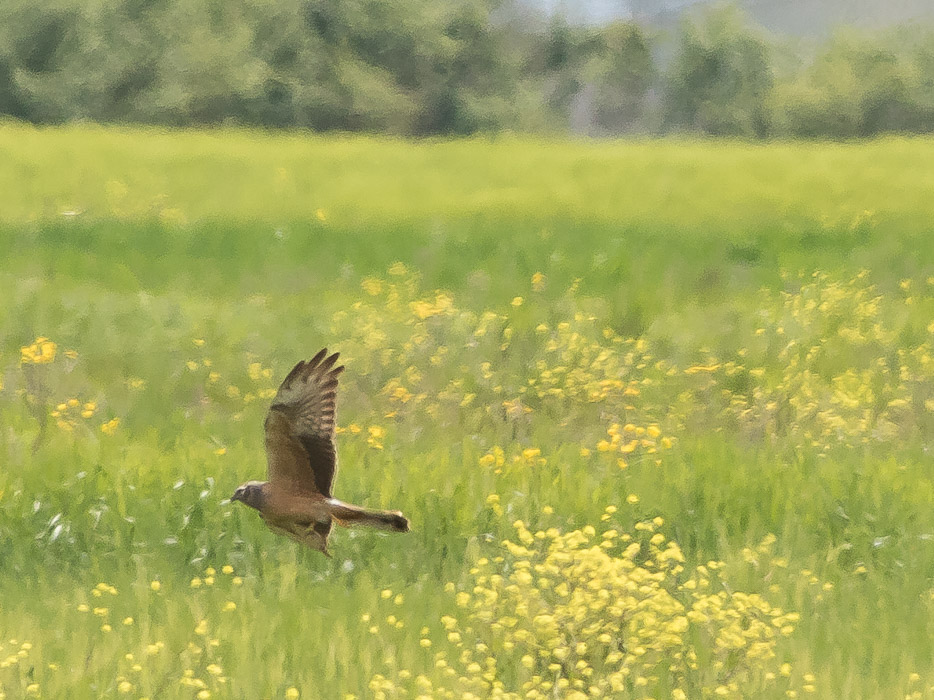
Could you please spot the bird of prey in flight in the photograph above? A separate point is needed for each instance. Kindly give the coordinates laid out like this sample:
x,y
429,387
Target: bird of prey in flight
x,y
296,501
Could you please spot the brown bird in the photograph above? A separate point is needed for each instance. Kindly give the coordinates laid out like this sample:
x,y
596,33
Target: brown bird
x,y
296,501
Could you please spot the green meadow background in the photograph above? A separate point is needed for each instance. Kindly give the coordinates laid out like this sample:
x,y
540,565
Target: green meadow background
x,y
724,344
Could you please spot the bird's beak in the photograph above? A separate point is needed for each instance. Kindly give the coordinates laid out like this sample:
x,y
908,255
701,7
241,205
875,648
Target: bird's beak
x,y
235,497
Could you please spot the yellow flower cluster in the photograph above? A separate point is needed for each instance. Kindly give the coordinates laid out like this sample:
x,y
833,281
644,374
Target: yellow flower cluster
x,y
915,689
538,282
496,458
257,372
68,414
136,383
18,652
442,304
399,394
777,570
845,373
587,614
375,435
829,364
583,363
258,383
526,457
633,440
398,328
41,352
509,367
204,649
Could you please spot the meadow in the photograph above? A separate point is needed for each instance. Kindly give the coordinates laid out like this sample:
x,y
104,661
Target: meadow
x,y
660,414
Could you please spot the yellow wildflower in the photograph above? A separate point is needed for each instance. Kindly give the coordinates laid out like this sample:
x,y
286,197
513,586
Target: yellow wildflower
x,y
41,352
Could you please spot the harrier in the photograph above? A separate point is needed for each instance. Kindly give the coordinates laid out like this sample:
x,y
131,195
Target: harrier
x,y
296,501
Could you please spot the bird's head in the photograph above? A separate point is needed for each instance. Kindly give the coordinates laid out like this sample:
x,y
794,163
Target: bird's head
x,y
251,493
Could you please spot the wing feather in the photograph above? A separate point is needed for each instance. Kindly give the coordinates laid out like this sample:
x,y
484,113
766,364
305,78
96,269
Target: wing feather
x,y
300,426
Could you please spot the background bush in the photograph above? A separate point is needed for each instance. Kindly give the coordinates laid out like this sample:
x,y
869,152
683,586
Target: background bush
x,y
416,67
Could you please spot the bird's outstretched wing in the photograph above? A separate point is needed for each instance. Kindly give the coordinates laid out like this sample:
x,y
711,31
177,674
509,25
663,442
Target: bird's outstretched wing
x,y
300,427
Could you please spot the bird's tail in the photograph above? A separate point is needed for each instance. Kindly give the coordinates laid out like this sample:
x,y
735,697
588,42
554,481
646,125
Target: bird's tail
x,y
348,515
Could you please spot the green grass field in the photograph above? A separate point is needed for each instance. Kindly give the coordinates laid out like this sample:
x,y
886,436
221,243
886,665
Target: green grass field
x,y
660,413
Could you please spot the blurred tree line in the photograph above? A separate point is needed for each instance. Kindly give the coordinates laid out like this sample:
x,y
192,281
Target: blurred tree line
x,y
423,67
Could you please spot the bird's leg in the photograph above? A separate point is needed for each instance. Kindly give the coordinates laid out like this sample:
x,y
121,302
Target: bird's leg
x,y
303,534
313,538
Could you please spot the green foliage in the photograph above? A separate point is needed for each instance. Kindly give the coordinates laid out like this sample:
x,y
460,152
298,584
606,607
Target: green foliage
x,y
416,67
720,78
398,67
922,73
856,88
622,81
